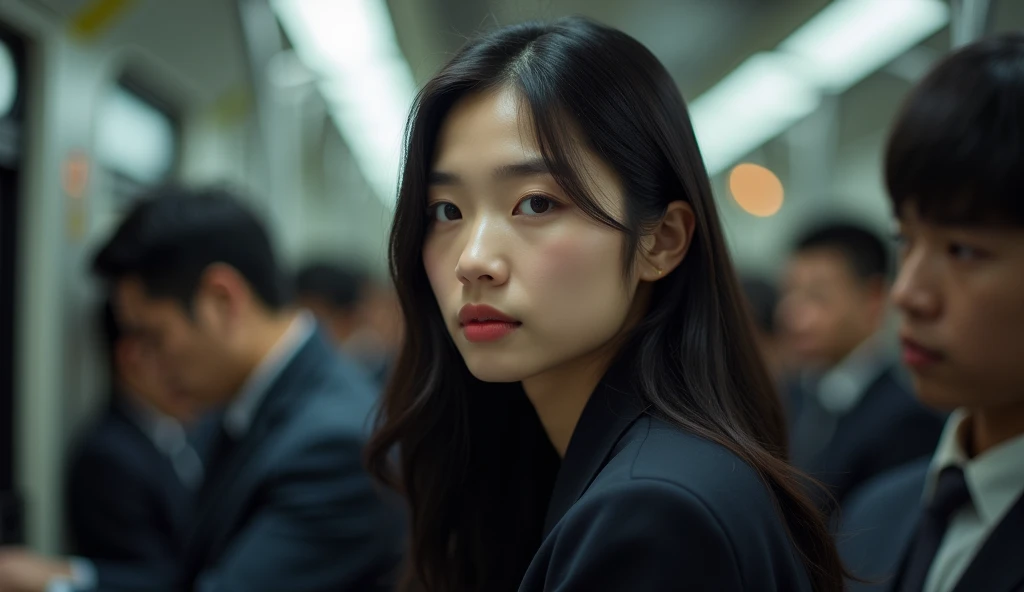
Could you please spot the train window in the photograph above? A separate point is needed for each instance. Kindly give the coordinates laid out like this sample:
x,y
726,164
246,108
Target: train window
x,y
8,80
12,117
136,140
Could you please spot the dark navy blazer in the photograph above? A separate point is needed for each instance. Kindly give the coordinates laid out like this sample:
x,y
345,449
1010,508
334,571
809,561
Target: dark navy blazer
x,y
886,429
125,501
881,519
292,508
640,504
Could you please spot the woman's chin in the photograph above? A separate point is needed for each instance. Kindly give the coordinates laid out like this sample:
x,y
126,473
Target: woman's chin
x,y
492,373
495,366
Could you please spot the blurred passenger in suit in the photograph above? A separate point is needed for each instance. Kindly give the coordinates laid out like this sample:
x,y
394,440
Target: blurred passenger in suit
x,y
133,474
333,292
762,299
852,413
285,503
361,316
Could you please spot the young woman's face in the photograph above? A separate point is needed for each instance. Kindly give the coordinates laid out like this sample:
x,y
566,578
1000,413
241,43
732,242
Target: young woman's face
x,y
526,282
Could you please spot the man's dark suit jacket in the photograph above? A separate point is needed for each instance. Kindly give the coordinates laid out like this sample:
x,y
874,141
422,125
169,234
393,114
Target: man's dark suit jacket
x,y
881,519
640,504
292,508
886,429
125,501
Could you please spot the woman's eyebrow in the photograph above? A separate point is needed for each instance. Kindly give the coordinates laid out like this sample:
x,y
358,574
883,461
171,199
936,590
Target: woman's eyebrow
x,y
526,168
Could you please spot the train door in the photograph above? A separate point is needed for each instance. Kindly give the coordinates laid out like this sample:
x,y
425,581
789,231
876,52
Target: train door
x,y
12,120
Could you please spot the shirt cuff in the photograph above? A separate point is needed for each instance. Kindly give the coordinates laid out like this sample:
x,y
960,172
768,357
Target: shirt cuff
x,y
83,573
83,577
60,585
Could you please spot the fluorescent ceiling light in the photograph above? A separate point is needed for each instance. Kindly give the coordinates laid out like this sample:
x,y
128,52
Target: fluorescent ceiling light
x,y
350,45
8,80
133,138
850,39
753,104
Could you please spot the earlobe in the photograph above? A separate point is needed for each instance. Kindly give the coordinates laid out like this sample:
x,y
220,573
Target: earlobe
x,y
669,241
219,293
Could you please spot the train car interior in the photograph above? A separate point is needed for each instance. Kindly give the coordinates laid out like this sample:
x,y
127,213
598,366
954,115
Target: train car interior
x,y
300,105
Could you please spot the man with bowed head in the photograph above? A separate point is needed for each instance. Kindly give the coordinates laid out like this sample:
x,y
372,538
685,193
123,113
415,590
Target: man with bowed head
x,y
286,503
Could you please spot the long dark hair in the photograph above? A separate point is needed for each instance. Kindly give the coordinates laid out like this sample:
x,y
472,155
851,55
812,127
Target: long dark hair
x,y
474,462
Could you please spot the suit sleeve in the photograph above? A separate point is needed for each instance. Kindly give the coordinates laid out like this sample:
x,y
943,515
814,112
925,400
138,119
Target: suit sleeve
x,y
113,528
325,527
111,512
643,535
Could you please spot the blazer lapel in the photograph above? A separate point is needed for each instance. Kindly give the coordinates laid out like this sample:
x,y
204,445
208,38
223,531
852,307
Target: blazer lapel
x,y
223,497
902,536
612,408
999,565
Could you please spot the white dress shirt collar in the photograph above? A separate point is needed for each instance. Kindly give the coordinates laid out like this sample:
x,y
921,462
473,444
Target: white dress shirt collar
x,y
243,408
166,433
842,388
995,478
168,436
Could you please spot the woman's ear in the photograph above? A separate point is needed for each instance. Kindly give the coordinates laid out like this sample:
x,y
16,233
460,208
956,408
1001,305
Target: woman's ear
x,y
666,245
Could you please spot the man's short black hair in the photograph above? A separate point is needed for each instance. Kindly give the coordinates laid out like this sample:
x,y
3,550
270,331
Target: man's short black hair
x,y
173,235
762,298
340,286
956,152
863,250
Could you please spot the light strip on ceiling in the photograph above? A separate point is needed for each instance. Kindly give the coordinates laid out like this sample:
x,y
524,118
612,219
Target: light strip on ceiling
x,y
350,45
835,49
850,39
8,80
133,137
753,104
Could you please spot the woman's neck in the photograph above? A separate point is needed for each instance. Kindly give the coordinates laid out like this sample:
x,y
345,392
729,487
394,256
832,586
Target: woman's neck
x,y
560,394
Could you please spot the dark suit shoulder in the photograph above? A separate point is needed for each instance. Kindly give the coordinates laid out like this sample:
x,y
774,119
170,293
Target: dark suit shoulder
x,y
886,498
113,439
705,468
314,458
671,508
336,410
337,384
878,520
636,534
709,472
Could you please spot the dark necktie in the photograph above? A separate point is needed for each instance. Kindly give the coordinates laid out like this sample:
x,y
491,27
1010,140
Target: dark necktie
x,y
951,494
220,450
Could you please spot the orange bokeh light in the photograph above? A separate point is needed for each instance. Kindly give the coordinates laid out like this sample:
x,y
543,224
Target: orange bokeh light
x,y
756,189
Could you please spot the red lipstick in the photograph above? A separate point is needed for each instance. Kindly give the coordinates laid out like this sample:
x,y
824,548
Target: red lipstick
x,y
481,323
918,356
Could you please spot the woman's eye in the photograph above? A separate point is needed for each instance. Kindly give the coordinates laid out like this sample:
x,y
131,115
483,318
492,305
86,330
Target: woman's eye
x,y
535,205
445,212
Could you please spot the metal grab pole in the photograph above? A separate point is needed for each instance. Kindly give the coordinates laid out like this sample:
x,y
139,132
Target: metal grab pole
x,y
970,20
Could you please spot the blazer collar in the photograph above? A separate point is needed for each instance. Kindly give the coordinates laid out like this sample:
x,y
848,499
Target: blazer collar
x,y
222,496
998,566
612,409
